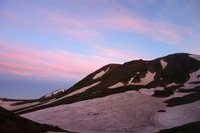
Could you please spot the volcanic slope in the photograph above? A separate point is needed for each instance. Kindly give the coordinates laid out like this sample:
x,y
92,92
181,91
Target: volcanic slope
x,y
137,96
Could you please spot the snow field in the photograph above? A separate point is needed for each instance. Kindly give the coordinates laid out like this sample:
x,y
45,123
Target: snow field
x,y
125,112
115,113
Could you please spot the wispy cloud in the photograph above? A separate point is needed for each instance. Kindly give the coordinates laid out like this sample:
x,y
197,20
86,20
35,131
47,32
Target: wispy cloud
x,y
47,64
159,31
66,23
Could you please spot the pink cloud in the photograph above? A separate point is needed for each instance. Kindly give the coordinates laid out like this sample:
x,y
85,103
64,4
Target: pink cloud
x,y
47,64
116,17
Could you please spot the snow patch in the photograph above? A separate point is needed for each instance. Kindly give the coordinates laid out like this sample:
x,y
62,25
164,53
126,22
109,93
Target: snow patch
x,y
163,63
144,81
83,89
193,78
147,79
172,84
130,82
197,57
54,93
100,74
150,92
116,85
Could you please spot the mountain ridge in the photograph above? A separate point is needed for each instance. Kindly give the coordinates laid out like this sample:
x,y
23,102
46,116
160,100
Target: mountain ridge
x,y
167,74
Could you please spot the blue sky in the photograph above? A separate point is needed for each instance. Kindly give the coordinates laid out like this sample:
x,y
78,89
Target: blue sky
x,y
53,44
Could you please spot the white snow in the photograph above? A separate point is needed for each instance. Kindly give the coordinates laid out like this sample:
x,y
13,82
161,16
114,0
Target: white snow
x,y
150,91
130,82
177,94
125,112
54,93
163,63
116,85
197,57
7,104
147,79
115,113
172,84
100,74
144,81
178,115
83,89
193,78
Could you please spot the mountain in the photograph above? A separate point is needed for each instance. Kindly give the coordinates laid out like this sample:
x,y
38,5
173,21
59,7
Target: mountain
x,y
52,94
137,96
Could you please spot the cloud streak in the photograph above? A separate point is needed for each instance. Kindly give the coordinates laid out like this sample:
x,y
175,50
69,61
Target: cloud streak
x,y
44,63
48,64
159,31
56,22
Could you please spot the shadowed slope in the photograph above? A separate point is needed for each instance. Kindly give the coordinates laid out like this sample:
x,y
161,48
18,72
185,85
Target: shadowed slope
x,y
12,123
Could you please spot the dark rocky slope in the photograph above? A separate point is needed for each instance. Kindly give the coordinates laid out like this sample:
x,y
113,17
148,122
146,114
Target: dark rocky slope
x,y
12,123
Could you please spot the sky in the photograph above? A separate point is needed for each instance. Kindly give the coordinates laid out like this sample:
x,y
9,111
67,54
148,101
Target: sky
x,y
50,44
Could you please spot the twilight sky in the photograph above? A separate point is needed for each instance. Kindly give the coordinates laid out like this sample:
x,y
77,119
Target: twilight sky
x,y
50,44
